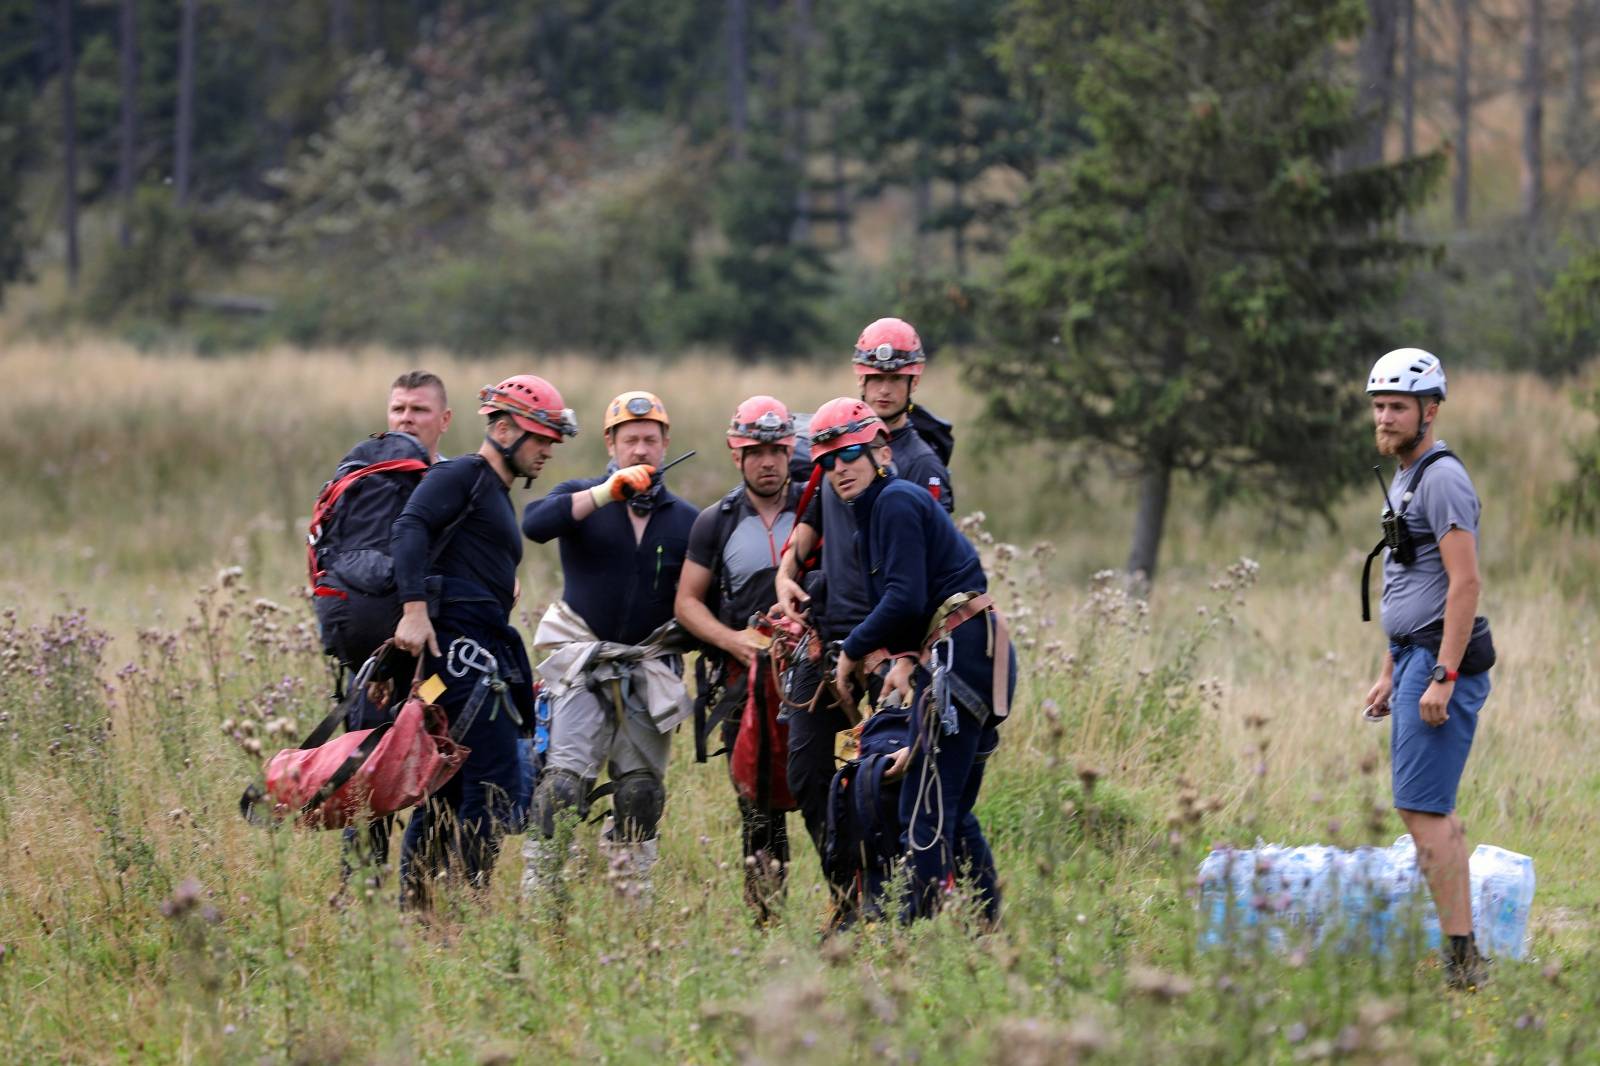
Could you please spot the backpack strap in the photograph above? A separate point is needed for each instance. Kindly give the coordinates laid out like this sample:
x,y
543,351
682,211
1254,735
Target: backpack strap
x,y
1377,549
841,795
878,832
727,521
443,540
812,484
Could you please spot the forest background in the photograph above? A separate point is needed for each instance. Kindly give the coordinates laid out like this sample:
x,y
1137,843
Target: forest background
x,y
1152,249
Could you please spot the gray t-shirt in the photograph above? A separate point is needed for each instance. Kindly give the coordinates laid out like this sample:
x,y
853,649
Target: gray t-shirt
x,y
1413,596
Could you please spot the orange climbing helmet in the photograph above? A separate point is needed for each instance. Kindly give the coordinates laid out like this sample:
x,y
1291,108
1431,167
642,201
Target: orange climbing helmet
x,y
635,405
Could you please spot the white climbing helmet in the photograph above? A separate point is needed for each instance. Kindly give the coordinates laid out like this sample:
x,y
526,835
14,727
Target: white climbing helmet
x,y
1408,370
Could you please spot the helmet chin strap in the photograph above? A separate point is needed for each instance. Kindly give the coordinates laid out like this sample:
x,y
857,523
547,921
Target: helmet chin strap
x,y
506,454
1423,424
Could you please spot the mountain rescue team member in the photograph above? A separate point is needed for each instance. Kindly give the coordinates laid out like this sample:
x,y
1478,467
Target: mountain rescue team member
x,y
418,406
931,604
614,665
457,610
1434,679
733,555
888,362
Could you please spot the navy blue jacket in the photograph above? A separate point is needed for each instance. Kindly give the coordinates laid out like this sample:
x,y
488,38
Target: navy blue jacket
x,y
484,550
913,559
621,587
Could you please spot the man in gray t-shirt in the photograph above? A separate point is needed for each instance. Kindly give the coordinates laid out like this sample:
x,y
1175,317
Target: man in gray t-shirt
x,y
1414,596
1430,600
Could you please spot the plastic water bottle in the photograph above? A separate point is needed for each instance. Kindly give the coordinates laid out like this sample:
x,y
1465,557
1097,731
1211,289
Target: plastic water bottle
x,y
1367,900
1502,897
1215,896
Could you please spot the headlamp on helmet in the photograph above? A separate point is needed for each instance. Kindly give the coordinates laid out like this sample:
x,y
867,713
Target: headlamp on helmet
x,y
518,397
767,429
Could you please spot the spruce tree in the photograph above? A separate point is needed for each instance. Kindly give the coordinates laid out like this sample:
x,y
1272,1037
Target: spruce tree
x,y
1201,290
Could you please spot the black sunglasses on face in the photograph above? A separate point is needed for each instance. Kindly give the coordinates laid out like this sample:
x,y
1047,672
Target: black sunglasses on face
x,y
848,454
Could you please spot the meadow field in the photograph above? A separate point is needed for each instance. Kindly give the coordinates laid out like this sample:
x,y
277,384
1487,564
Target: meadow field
x,y
151,583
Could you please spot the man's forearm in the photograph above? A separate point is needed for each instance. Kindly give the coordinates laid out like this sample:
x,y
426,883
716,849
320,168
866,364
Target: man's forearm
x,y
697,618
1460,608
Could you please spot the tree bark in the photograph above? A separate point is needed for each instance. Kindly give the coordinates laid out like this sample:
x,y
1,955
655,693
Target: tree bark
x,y
1533,113
738,75
800,122
128,69
1462,192
1408,83
69,136
339,27
841,189
1375,98
921,208
1578,26
958,235
185,129
1155,489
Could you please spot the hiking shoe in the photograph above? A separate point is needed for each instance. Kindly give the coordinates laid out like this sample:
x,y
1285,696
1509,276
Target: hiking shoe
x,y
1465,969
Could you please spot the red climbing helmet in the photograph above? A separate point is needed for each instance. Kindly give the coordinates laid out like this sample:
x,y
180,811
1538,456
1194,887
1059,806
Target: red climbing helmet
x,y
889,346
533,404
761,420
842,422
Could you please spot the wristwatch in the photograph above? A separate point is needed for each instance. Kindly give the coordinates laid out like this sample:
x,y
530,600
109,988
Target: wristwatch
x,y
1441,675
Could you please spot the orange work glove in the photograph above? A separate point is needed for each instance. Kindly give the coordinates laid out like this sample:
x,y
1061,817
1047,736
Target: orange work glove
x,y
629,481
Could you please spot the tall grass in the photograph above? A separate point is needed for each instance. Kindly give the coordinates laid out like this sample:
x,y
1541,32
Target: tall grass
x,y
157,651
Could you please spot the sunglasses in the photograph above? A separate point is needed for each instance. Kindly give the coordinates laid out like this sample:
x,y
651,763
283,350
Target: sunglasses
x,y
848,454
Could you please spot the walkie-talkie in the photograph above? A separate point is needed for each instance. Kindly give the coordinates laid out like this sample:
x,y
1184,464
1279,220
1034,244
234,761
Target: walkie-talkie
x,y
1395,534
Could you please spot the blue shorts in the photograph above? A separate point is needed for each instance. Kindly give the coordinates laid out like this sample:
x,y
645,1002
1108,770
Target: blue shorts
x,y
1428,760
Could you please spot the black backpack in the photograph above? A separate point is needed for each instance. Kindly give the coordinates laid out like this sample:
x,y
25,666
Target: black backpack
x,y
939,434
861,839
347,544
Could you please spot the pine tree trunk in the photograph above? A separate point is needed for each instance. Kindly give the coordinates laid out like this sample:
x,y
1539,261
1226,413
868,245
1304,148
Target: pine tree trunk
x,y
1578,26
1463,112
127,131
1155,488
921,207
841,190
1375,61
958,235
1408,83
738,76
69,136
185,129
800,122
378,27
1533,113
339,27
